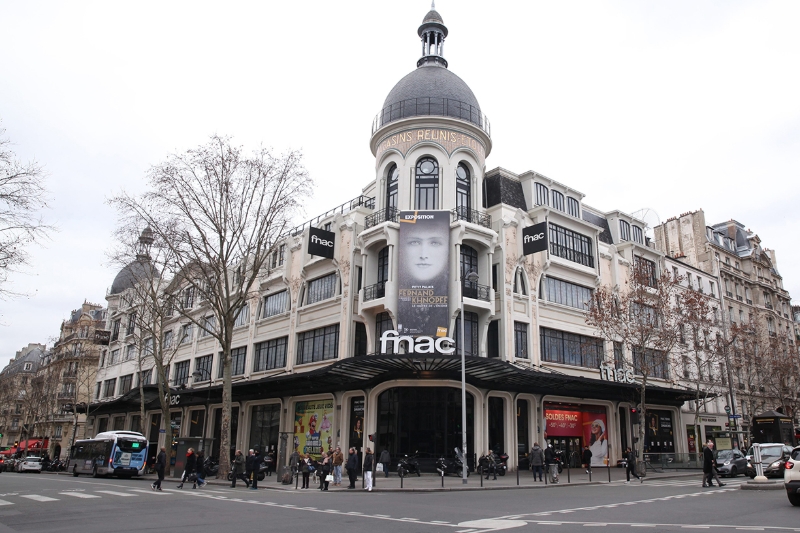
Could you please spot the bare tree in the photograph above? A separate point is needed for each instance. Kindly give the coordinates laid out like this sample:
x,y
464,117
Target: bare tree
x,y
22,197
699,348
221,213
643,317
750,342
781,365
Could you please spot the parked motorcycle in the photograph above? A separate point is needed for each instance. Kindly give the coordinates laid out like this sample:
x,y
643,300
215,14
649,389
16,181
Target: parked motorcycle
x,y
450,466
408,465
262,471
211,466
493,464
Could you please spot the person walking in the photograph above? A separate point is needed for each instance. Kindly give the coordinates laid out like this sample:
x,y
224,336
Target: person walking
x,y
537,461
324,471
251,469
586,459
352,468
551,463
385,460
630,467
189,468
201,469
710,466
369,464
238,469
338,461
160,466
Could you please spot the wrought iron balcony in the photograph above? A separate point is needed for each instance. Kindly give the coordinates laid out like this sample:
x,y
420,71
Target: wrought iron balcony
x,y
388,214
427,106
475,291
69,374
358,201
472,216
373,292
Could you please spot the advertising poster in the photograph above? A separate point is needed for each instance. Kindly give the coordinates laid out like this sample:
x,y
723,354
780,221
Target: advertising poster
x,y
357,422
423,253
313,426
591,427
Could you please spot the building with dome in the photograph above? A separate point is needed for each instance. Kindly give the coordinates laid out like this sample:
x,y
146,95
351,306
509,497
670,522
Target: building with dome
x,y
363,339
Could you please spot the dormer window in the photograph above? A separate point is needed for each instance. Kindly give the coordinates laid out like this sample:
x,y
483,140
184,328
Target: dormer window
x,y
638,235
542,194
573,207
558,201
624,231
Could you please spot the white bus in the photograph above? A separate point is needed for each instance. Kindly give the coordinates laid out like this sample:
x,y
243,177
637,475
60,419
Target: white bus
x,y
117,453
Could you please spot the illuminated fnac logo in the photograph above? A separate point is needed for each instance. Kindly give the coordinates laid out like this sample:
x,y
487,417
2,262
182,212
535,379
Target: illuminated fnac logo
x,y
422,344
533,238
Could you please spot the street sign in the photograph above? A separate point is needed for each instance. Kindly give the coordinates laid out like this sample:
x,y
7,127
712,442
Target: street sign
x,y
727,408
162,430
734,416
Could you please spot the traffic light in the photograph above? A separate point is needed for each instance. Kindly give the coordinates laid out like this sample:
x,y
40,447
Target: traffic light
x,y
634,415
16,443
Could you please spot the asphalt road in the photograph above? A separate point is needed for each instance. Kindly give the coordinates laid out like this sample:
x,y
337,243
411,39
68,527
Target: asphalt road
x,y
31,502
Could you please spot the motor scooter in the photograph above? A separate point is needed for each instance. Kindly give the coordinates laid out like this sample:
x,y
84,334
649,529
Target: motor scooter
x,y
408,465
446,465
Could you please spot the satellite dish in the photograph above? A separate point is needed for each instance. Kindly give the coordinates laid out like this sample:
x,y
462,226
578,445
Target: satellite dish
x,y
650,217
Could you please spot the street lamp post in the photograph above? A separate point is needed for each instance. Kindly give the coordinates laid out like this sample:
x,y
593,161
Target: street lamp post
x,y
471,277
197,375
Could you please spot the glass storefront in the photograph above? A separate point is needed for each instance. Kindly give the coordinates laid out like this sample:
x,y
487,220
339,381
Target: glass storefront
x,y
218,431
425,420
570,427
265,427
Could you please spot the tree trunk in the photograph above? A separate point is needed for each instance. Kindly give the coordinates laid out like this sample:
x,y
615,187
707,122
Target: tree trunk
x,y
640,466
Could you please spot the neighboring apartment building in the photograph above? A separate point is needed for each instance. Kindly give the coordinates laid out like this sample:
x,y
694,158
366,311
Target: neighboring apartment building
x,y
68,374
19,403
315,362
751,292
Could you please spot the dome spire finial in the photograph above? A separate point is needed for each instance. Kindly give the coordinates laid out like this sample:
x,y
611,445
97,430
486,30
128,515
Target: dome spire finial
x,y
432,32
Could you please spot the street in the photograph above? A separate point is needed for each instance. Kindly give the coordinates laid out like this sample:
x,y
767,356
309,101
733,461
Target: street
x,y
30,502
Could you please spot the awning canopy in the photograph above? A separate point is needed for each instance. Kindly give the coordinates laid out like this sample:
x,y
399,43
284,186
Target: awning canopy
x,y
366,372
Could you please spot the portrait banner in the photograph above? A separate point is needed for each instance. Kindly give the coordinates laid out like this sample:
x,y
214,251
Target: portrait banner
x,y
423,279
313,427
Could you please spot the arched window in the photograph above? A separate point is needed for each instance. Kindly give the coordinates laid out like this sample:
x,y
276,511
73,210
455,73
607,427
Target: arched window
x,y
463,191
383,265
392,179
426,184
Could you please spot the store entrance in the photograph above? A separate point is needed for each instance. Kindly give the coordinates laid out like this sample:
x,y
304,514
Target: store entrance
x,y
425,420
569,449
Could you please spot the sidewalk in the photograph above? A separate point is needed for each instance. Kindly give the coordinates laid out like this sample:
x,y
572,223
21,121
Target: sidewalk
x,y
435,483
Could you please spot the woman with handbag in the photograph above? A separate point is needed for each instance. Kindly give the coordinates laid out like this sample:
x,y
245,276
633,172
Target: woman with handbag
x,y
325,476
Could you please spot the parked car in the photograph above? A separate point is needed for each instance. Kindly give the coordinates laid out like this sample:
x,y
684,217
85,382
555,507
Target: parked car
x,y
791,476
731,462
773,458
30,464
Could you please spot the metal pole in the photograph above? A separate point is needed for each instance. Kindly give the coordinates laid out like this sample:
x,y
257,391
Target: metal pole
x,y
463,393
517,471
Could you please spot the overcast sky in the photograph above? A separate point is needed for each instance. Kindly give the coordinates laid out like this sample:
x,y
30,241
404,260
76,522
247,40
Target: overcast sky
x,y
672,106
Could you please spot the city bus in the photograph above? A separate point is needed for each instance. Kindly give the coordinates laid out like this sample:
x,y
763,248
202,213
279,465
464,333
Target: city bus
x,y
112,453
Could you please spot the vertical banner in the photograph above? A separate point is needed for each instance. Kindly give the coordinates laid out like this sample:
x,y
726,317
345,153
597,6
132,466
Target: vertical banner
x,y
424,251
313,426
596,437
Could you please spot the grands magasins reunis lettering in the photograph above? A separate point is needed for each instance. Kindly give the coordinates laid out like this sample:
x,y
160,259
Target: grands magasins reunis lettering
x,y
355,329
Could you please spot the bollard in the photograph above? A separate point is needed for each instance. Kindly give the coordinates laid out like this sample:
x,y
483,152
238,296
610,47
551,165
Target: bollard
x,y
568,478
442,478
401,481
518,475
590,472
546,473
608,467
297,478
480,472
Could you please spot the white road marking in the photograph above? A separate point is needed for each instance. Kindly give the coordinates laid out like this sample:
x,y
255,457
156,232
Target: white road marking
x,y
115,493
39,498
79,494
151,492
3,502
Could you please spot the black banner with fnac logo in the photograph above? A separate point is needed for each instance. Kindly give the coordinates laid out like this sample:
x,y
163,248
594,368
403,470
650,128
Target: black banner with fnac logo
x,y
321,242
534,238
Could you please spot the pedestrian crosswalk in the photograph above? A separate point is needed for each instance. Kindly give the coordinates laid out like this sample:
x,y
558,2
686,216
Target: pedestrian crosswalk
x,y
693,482
11,499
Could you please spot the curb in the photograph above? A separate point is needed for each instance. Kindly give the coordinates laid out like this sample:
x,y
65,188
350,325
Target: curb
x,y
769,485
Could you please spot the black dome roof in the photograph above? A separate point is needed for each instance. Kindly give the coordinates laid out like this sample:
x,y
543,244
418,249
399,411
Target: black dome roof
x,y
135,271
433,16
431,81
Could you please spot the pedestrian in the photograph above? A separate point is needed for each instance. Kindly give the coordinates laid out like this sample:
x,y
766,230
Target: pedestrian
x,y
201,469
537,461
710,466
369,464
385,460
352,468
586,459
160,466
551,463
238,469
305,470
630,467
270,462
251,469
189,468
338,461
324,471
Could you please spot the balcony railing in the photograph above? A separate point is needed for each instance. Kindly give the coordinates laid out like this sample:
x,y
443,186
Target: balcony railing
x,y
69,374
373,292
388,214
473,216
768,305
475,291
739,298
729,294
749,301
66,395
439,107
358,201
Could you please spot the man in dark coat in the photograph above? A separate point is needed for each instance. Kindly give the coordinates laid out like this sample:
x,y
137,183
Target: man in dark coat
x,y
552,464
708,464
630,468
385,459
586,459
536,458
238,470
352,467
251,469
160,466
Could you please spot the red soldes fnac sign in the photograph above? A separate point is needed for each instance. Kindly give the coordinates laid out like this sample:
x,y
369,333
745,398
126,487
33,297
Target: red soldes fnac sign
x,y
564,423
